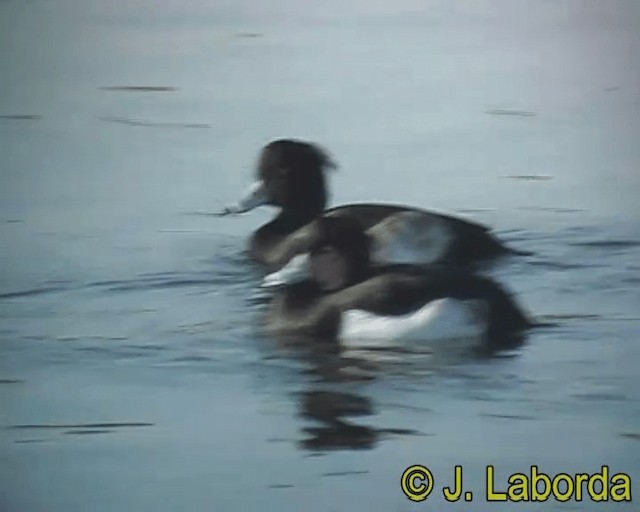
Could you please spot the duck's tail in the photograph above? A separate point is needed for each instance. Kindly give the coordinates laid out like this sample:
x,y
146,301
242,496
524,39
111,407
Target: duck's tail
x,y
518,252
492,246
496,247
535,324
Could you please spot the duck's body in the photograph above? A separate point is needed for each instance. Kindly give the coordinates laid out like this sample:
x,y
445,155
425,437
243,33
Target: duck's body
x,y
401,235
401,303
346,298
398,235
291,176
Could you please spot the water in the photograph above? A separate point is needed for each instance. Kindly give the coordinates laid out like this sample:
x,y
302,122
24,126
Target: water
x,y
134,371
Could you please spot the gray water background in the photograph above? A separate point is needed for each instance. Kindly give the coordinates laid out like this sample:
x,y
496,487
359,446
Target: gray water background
x,y
134,371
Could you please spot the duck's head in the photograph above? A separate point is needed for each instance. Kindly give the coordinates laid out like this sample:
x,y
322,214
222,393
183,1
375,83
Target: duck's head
x,y
290,174
340,254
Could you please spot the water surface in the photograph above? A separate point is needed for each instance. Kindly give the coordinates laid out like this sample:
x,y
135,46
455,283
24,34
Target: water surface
x,y
134,373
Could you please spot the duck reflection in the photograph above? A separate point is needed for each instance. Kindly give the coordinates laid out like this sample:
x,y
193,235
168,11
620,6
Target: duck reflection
x,y
331,409
335,401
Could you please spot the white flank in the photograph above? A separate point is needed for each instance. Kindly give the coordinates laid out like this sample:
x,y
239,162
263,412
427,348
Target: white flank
x,y
442,319
409,238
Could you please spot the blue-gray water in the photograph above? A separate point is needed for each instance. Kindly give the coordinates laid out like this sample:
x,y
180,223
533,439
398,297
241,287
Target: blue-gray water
x,y
134,372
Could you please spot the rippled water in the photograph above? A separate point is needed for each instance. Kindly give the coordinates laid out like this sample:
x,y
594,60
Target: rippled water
x,y
134,374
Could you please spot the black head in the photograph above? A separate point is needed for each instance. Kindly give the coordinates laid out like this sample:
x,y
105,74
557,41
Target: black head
x,y
293,173
339,256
